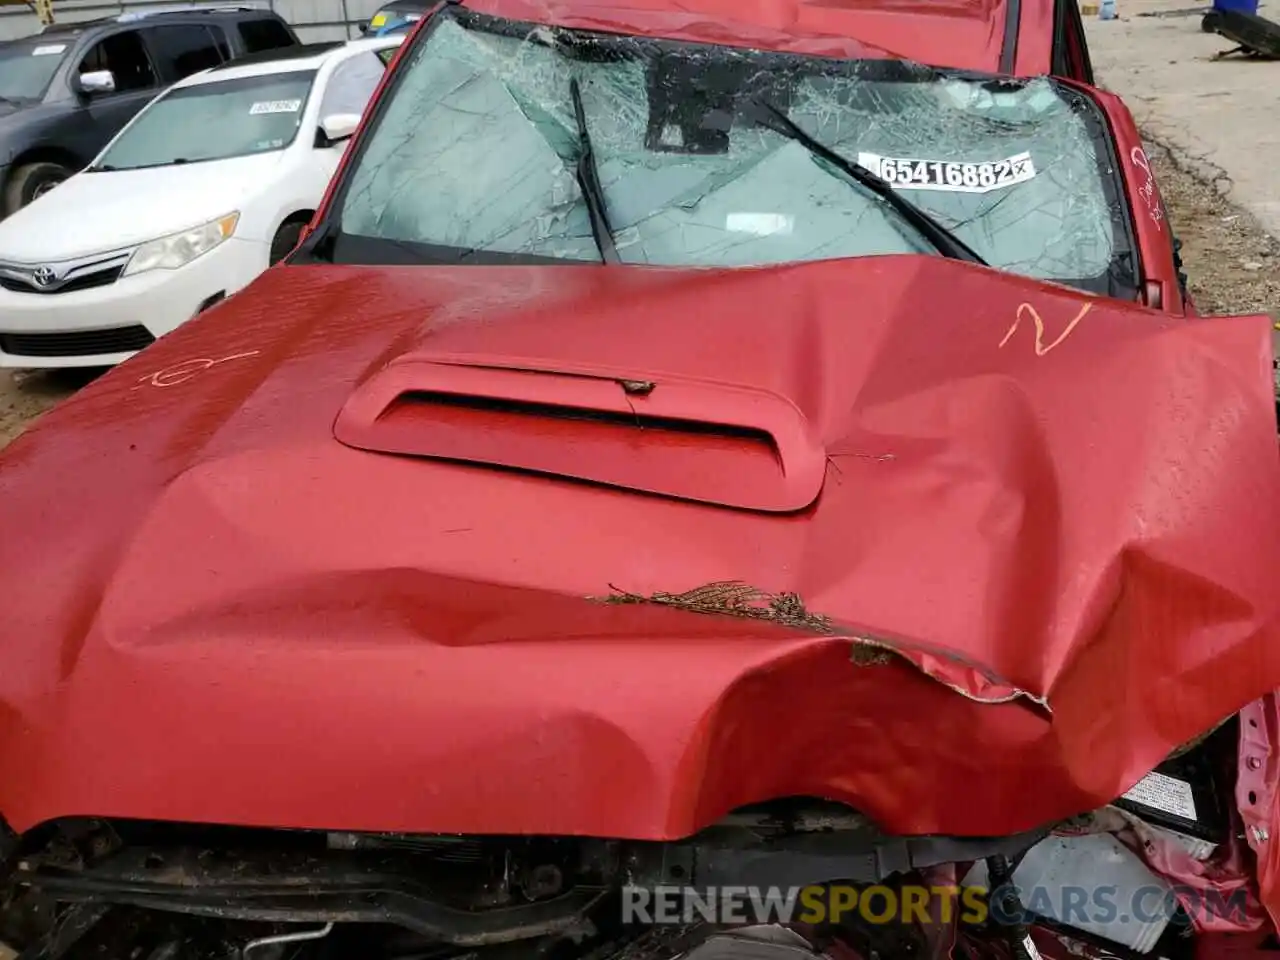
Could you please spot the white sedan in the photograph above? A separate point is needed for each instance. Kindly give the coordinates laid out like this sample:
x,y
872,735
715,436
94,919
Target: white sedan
x,y
199,194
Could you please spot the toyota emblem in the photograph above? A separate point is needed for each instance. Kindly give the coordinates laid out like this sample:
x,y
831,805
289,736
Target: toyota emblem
x,y
43,276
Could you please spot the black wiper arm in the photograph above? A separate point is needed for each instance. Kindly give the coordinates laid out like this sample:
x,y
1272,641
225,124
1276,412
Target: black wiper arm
x,y
107,168
589,182
944,240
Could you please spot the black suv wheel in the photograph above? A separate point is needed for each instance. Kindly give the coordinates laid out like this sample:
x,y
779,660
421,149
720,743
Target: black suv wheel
x,y
31,181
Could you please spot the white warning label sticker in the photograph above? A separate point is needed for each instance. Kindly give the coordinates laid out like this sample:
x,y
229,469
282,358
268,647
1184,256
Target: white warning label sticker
x,y
1168,794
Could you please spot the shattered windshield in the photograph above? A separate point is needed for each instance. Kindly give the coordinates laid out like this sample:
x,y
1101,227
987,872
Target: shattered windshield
x,y
477,151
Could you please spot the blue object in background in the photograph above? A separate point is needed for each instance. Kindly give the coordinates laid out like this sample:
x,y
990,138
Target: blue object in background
x,y
400,25
1107,10
1236,6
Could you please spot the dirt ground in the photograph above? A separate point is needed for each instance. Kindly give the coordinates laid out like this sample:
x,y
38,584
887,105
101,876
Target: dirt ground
x,y
25,394
1233,265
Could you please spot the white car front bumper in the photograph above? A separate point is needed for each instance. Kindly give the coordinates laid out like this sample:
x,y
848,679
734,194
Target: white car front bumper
x,y
104,325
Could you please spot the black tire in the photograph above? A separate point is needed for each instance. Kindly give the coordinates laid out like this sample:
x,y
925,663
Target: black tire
x,y
285,240
1257,35
30,181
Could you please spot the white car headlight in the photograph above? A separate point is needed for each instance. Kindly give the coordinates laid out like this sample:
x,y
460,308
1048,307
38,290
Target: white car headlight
x,y
179,249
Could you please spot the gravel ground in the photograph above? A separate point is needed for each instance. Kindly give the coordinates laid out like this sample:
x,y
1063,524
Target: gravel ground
x,y
1233,265
25,394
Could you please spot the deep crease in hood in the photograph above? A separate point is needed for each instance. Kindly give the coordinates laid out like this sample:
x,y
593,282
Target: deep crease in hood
x,y
242,620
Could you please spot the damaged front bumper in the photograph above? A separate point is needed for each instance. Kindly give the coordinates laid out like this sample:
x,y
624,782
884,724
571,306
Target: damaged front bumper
x,y
797,878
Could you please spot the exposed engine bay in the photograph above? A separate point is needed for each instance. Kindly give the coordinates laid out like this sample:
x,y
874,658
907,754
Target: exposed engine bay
x,y
96,888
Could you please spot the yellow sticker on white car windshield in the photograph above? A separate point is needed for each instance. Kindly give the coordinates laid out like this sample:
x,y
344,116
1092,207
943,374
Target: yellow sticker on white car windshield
x,y
275,106
378,20
950,175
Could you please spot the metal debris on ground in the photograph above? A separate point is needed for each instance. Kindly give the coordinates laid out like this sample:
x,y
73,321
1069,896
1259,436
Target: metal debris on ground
x,y
1171,14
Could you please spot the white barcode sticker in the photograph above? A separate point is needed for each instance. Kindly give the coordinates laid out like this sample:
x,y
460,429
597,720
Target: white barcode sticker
x,y
48,50
276,106
950,175
1167,794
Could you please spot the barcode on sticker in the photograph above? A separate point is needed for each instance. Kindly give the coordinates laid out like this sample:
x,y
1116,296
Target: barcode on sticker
x,y
276,106
1166,794
951,175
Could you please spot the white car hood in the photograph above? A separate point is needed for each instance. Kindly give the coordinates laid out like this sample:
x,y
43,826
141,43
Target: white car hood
x,y
100,212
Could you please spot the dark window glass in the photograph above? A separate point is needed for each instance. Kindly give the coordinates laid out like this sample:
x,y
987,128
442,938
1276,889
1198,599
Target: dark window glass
x,y
267,34
125,56
220,38
182,49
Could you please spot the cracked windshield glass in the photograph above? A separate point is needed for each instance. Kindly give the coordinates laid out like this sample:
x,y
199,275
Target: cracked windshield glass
x,y
480,150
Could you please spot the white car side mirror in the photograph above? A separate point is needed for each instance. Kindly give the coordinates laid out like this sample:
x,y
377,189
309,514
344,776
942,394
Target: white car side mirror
x,y
97,81
339,126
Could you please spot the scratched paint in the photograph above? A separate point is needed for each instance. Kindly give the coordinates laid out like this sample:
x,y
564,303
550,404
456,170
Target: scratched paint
x,y
177,373
1147,190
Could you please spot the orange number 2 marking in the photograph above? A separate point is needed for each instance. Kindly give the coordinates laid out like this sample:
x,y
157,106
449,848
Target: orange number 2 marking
x,y
1041,347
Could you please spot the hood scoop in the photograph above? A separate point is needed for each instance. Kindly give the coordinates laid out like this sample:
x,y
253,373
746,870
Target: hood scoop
x,y
725,444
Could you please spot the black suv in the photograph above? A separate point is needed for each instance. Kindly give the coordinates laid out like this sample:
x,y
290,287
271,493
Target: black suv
x,y
65,92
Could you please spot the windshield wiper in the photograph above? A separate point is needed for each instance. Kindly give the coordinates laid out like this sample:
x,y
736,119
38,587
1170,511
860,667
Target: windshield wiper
x,y
943,239
589,182
108,168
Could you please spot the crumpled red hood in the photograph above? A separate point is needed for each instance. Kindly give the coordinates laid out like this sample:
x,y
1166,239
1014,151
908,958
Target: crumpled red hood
x,y
215,611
